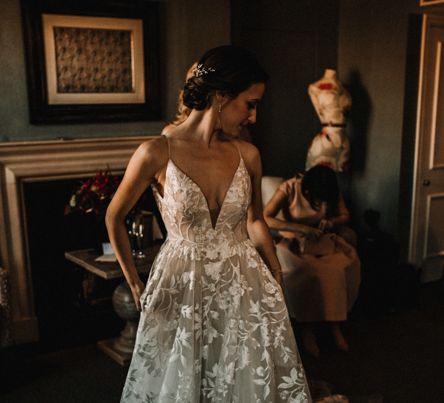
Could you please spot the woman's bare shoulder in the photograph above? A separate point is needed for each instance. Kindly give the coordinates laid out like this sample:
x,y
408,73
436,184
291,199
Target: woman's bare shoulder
x,y
292,183
250,155
154,151
248,150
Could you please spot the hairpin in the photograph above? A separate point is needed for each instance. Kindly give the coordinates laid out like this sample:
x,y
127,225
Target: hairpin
x,y
200,70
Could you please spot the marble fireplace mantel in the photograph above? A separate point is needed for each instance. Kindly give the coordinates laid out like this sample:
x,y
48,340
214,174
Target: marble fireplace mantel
x,y
22,162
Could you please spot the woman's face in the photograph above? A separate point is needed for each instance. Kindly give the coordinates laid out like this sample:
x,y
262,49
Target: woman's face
x,y
239,112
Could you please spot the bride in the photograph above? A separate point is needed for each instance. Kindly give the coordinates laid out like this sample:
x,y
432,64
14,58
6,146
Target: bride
x,y
214,326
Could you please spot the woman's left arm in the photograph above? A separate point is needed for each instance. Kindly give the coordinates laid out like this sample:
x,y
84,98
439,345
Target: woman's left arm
x,y
258,230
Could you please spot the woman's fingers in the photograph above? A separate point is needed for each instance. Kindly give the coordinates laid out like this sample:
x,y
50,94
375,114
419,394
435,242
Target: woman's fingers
x,y
137,293
137,302
136,297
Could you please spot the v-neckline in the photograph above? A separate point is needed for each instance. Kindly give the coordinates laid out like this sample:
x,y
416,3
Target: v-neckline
x,y
203,194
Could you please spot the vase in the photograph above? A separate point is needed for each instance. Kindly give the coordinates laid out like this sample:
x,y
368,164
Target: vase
x,y
126,309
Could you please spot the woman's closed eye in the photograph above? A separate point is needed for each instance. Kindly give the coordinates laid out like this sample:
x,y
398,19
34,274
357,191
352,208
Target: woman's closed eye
x,y
252,104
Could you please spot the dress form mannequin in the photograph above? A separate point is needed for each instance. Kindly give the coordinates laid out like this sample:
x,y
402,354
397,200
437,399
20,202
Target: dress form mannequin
x,y
330,99
331,102
329,147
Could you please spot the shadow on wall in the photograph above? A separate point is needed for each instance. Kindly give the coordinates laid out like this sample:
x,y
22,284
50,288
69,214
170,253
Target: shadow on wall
x,y
387,284
359,119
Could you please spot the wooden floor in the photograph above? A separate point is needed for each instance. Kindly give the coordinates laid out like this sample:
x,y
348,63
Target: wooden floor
x,y
395,358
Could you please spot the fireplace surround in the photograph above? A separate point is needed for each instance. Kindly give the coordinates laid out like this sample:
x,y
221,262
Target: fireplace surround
x,y
24,162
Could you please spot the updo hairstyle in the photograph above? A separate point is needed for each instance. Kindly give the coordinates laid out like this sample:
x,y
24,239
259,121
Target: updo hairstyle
x,y
183,111
226,69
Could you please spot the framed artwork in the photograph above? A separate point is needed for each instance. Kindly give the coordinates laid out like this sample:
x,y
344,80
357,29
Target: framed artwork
x,y
96,61
430,2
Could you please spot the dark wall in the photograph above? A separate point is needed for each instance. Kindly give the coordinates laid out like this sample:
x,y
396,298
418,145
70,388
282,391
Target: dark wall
x,y
188,28
365,40
295,41
368,42
375,42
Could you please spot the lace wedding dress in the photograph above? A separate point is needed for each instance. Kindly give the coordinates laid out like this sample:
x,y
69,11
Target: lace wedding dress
x,y
214,326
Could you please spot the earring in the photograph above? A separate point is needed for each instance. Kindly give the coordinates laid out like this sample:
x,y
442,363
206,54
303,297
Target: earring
x,y
219,123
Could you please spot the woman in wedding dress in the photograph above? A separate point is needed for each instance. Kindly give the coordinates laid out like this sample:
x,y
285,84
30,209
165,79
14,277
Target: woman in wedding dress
x,y
214,326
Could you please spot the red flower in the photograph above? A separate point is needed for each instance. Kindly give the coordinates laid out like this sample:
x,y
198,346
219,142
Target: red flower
x,y
94,194
325,86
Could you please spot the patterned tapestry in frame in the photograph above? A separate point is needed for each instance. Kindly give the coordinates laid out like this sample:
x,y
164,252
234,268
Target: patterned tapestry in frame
x,y
430,2
96,62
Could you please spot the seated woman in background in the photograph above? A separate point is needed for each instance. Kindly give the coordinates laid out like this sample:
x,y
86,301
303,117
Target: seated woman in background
x,y
321,270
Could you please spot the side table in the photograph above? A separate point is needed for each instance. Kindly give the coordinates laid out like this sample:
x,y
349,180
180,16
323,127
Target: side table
x,y
120,348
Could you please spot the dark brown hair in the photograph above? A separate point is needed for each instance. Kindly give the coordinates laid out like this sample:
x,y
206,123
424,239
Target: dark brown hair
x,y
320,184
228,70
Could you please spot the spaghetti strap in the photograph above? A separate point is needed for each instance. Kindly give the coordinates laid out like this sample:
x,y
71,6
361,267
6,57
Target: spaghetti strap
x,y
168,143
238,149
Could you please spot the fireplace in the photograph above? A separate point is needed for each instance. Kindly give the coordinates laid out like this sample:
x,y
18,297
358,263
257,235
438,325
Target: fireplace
x,y
23,166
66,317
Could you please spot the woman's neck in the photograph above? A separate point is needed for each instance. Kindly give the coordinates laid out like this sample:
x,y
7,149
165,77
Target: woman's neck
x,y
202,126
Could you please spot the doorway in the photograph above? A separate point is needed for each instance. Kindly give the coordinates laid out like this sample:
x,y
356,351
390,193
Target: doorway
x,y
427,230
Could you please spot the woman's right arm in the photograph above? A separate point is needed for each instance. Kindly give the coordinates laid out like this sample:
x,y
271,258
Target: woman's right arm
x,y
142,170
271,210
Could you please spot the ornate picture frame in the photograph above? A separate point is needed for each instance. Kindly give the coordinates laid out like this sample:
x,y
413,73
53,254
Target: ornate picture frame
x,y
95,62
430,2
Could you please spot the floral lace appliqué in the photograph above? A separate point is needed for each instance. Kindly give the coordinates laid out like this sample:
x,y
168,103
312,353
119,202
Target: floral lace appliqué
x,y
214,326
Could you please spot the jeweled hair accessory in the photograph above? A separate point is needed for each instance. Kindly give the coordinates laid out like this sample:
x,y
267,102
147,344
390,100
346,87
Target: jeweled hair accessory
x,y
200,70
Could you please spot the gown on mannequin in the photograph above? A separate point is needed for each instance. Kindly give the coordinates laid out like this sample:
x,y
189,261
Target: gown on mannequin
x,y
214,326
331,101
